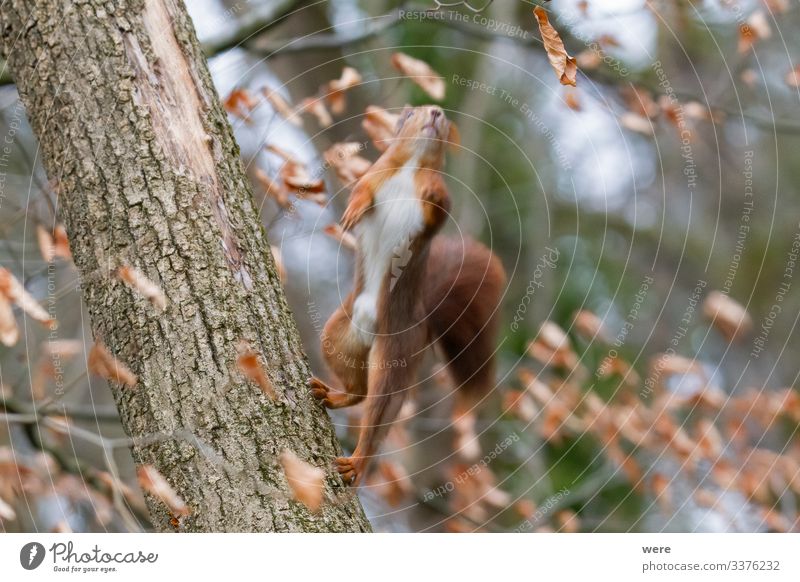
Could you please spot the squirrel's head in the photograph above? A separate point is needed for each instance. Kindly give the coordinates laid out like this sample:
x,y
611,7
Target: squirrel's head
x,y
426,130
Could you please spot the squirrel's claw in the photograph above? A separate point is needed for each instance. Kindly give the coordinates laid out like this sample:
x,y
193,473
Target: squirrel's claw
x,y
348,468
319,390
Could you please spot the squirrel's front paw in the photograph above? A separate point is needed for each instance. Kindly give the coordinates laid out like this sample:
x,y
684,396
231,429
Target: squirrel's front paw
x,y
349,468
320,390
331,399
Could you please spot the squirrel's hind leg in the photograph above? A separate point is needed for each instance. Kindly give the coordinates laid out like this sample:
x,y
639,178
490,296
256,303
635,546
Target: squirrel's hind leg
x,y
390,380
347,357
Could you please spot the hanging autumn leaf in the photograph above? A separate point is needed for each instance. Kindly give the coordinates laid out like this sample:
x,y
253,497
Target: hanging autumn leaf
x,y
306,481
105,365
565,66
9,333
137,281
251,367
239,103
6,511
637,123
346,239
728,316
572,101
296,177
380,125
344,159
46,243
274,189
589,326
280,105
14,292
277,257
156,485
61,243
756,28
793,77
421,73
334,91
316,107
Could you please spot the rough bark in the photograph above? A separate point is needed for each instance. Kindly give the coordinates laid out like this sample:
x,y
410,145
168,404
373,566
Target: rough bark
x,y
149,175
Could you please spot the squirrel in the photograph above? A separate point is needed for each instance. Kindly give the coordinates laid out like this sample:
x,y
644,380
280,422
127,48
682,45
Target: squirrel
x,y
412,289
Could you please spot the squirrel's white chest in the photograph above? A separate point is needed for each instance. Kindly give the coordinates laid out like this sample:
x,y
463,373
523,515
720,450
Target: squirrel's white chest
x,y
384,239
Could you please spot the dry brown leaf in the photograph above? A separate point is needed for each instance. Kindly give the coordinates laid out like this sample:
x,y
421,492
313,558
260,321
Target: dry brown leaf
x,y
698,111
608,40
346,239
283,154
750,77
380,126
793,77
344,159
53,352
565,66
249,365
14,292
709,439
756,28
276,256
466,444
637,123
156,485
705,498
137,281
316,107
306,481
334,91
240,103
296,178
640,101
553,337
61,243
568,521
282,106
525,508
9,333
728,316
421,73
519,404
572,101
588,325
552,348
273,189
776,521
7,512
589,59
46,243
397,483
781,6
105,365
659,484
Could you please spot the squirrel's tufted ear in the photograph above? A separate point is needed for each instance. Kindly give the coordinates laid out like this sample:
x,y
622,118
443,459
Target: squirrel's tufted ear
x,y
453,137
404,115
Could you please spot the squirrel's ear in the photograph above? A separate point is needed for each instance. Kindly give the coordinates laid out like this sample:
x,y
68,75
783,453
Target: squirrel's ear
x,y
453,136
404,115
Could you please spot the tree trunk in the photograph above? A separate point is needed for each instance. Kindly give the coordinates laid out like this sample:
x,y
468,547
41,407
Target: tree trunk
x,y
148,174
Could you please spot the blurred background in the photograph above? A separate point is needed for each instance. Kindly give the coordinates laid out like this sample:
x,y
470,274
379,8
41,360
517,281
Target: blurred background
x,y
648,218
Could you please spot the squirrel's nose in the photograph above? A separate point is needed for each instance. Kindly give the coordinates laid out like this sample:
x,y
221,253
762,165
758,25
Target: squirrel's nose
x,y
435,113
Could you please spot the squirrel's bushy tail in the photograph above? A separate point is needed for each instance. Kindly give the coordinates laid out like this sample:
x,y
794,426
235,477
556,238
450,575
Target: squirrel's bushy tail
x,y
464,285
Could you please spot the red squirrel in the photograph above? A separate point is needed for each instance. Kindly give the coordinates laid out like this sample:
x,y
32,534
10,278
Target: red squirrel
x,y
412,289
